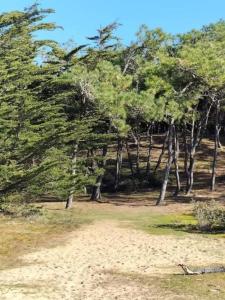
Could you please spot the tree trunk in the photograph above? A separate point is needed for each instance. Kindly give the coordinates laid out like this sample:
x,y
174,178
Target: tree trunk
x,y
216,139
69,201
168,166
185,136
131,164
176,157
119,161
148,166
96,191
129,159
138,156
193,145
162,152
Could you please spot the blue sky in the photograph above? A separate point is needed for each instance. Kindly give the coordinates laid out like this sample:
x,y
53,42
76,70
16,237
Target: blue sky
x,y
80,18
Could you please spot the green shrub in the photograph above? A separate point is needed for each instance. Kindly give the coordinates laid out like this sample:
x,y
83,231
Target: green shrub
x,y
16,206
210,216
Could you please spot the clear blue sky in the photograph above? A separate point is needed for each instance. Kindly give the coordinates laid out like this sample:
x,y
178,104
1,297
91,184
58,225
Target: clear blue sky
x,y
80,18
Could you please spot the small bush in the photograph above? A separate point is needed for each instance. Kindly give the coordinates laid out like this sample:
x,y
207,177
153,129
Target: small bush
x,y
15,206
210,216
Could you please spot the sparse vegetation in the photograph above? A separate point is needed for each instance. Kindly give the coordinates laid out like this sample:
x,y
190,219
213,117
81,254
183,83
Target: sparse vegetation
x,y
208,287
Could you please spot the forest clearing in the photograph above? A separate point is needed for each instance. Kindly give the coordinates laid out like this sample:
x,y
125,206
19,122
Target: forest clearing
x,y
124,247
119,252
112,156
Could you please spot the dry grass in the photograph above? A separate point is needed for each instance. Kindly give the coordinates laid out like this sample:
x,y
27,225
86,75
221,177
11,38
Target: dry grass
x,y
22,235
170,287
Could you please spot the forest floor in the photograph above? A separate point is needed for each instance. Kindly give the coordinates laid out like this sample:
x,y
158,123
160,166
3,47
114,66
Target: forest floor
x,y
125,248
116,252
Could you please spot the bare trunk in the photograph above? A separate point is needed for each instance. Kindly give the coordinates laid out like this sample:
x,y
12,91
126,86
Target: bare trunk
x,y
176,158
168,166
69,201
185,136
216,139
138,156
131,164
130,159
148,166
193,145
191,175
162,152
119,161
96,191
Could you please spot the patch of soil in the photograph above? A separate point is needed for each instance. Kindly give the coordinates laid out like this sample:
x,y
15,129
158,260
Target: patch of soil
x,y
85,266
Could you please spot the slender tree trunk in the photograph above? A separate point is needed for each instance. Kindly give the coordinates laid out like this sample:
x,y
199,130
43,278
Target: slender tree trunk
x,y
162,152
194,143
191,159
119,161
216,139
137,143
176,158
148,166
96,191
168,166
129,159
191,172
130,163
138,156
196,138
69,201
185,137
87,171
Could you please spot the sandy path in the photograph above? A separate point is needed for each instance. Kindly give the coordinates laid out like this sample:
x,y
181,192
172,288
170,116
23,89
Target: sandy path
x,y
85,267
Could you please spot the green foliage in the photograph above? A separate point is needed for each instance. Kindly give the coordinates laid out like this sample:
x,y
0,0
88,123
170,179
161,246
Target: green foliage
x,y
61,109
15,205
28,122
210,216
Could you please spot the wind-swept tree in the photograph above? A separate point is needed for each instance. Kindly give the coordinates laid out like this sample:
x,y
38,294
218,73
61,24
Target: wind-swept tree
x,y
28,121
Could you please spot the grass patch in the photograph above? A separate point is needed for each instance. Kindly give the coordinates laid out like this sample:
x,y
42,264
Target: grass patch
x,y
171,224
22,235
204,287
210,286
148,221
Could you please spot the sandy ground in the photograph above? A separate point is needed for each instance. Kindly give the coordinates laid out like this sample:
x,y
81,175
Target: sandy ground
x,y
88,265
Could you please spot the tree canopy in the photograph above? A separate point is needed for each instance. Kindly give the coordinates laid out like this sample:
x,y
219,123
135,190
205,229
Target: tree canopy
x,y
75,121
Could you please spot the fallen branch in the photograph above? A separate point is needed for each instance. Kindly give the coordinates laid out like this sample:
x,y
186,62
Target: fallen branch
x,y
187,271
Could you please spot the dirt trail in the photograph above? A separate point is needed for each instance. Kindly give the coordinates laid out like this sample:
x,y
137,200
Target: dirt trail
x,y
87,266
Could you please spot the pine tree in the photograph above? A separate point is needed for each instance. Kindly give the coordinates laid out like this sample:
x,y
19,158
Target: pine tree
x,y
28,119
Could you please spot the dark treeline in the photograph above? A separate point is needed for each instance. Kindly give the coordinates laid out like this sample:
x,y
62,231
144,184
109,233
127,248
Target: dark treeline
x,y
70,117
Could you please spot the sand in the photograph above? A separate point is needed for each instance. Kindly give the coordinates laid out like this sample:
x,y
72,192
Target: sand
x,y
87,265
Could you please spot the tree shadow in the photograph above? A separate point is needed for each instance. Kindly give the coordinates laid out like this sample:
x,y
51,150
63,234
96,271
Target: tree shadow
x,y
190,228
